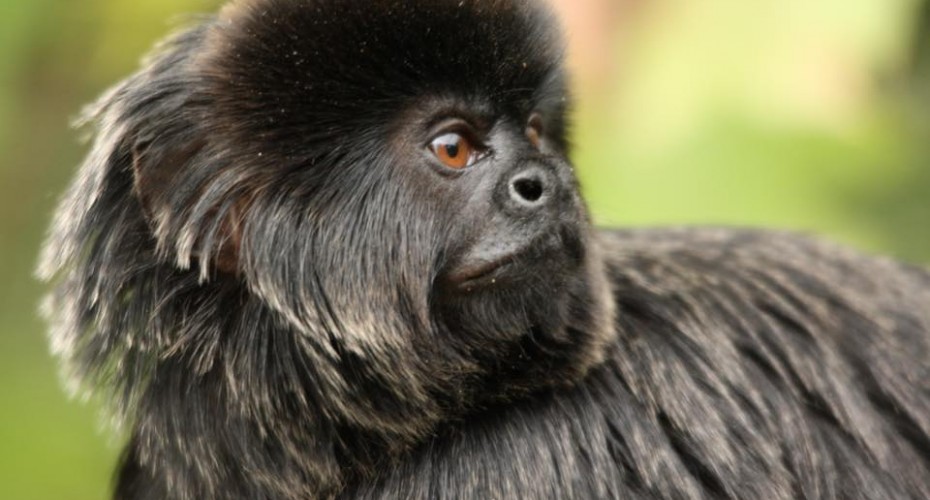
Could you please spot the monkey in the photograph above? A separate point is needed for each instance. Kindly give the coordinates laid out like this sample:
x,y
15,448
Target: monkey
x,y
337,249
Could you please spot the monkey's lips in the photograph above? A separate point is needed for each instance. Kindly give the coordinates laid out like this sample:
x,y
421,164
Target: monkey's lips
x,y
541,257
481,273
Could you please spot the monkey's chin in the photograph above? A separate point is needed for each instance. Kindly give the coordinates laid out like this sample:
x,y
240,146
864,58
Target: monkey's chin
x,y
545,327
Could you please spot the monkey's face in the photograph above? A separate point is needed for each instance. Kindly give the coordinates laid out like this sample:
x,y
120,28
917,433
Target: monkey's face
x,y
509,245
511,230
509,199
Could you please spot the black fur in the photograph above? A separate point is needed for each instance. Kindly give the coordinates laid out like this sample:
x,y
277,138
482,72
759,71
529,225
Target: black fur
x,y
256,266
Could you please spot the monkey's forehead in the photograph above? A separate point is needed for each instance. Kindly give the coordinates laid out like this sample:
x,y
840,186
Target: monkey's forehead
x,y
331,55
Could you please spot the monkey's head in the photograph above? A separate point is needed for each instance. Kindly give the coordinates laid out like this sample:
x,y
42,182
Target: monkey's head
x,y
360,211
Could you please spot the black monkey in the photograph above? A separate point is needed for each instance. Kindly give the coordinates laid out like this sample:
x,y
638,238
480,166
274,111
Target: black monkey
x,y
334,249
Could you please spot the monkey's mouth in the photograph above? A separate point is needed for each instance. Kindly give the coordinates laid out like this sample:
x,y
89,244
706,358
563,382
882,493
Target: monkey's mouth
x,y
482,273
542,257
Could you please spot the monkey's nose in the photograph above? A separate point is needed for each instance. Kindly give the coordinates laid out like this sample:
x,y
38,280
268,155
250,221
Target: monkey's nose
x,y
530,188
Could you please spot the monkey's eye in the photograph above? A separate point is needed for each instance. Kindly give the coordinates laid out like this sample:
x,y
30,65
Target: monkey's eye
x,y
535,130
454,151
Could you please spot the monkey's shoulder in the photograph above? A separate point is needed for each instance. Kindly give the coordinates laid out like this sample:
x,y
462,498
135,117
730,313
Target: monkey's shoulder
x,y
741,279
731,339
706,256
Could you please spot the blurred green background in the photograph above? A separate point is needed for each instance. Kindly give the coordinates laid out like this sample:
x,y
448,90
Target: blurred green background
x,y
804,114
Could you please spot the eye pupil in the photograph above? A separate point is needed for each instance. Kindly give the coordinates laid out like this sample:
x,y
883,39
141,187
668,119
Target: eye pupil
x,y
452,150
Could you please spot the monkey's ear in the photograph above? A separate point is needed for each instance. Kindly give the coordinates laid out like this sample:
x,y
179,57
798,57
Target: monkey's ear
x,y
154,174
172,199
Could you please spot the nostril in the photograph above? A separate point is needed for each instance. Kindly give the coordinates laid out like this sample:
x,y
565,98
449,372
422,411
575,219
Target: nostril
x,y
528,189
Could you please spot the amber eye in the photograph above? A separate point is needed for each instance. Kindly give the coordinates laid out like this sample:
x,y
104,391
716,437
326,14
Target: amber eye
x,y
534,130
454,151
